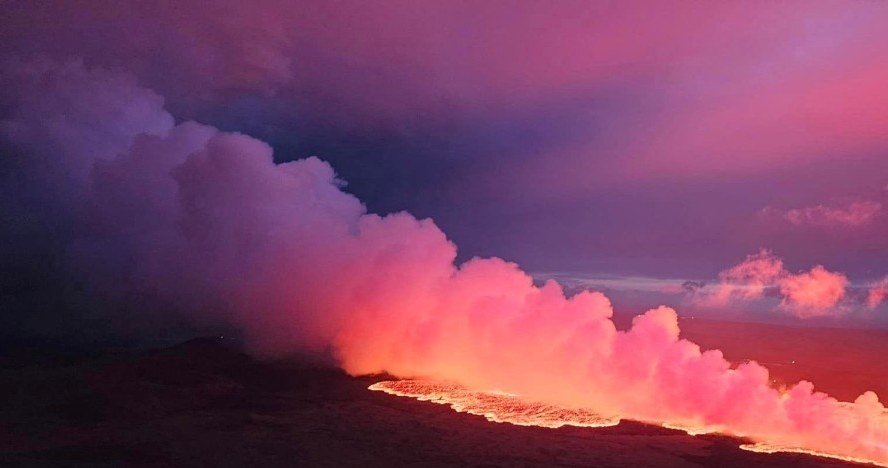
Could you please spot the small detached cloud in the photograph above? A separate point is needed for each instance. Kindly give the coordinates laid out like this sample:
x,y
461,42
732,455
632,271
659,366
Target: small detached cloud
x,y
877,293
761,281
814,293
817,292
749,278
576,282
855,214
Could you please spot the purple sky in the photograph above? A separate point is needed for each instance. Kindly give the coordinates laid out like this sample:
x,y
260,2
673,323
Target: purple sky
x,y
323,177
595,139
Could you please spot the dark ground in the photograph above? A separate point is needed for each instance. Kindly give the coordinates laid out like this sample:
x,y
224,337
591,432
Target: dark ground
x,y
203,404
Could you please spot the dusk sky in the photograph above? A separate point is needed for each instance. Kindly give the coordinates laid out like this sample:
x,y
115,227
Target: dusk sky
x,y
659,212
655,141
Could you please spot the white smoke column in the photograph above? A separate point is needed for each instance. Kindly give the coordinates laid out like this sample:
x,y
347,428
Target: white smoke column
x,y
206,220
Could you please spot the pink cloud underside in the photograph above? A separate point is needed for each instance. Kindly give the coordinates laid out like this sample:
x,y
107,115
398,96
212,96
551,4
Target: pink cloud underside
x,y
815,293
877,293
854,214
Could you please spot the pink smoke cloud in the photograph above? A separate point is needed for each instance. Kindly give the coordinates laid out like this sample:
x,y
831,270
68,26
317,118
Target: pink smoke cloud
x,y
854,214
814,293
749,278
772,88
206,220
877,293
107,109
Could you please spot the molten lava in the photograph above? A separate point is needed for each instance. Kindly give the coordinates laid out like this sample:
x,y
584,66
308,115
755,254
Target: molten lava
x,y
764,447
502,407
495,406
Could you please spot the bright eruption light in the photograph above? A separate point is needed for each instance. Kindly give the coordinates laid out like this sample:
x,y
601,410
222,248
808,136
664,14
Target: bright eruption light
x,y
495,406
502,407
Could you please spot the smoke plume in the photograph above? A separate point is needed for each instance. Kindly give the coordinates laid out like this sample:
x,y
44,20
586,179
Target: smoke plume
x,y
814,293
877,293
204,221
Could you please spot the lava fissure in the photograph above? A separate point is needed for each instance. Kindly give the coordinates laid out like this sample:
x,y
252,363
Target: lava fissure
x,y
504,407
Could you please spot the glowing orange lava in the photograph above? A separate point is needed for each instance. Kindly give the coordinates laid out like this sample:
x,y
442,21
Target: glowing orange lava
x,y
764,447
503,407
495,406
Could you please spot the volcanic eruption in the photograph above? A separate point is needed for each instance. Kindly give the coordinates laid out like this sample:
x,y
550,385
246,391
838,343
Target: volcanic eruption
x,y
206,219
147,218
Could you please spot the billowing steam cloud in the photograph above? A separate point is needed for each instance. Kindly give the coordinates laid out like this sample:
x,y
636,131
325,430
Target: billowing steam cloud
x,y
877,293
205,220
854,214
814,293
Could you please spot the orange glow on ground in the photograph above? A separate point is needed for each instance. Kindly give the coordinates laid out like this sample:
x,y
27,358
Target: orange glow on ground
x,y
690,429
764,447
504,407
495,406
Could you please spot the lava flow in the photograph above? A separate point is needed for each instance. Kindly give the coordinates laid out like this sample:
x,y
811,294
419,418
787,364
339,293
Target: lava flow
x,y
502,407
764,447
495,406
